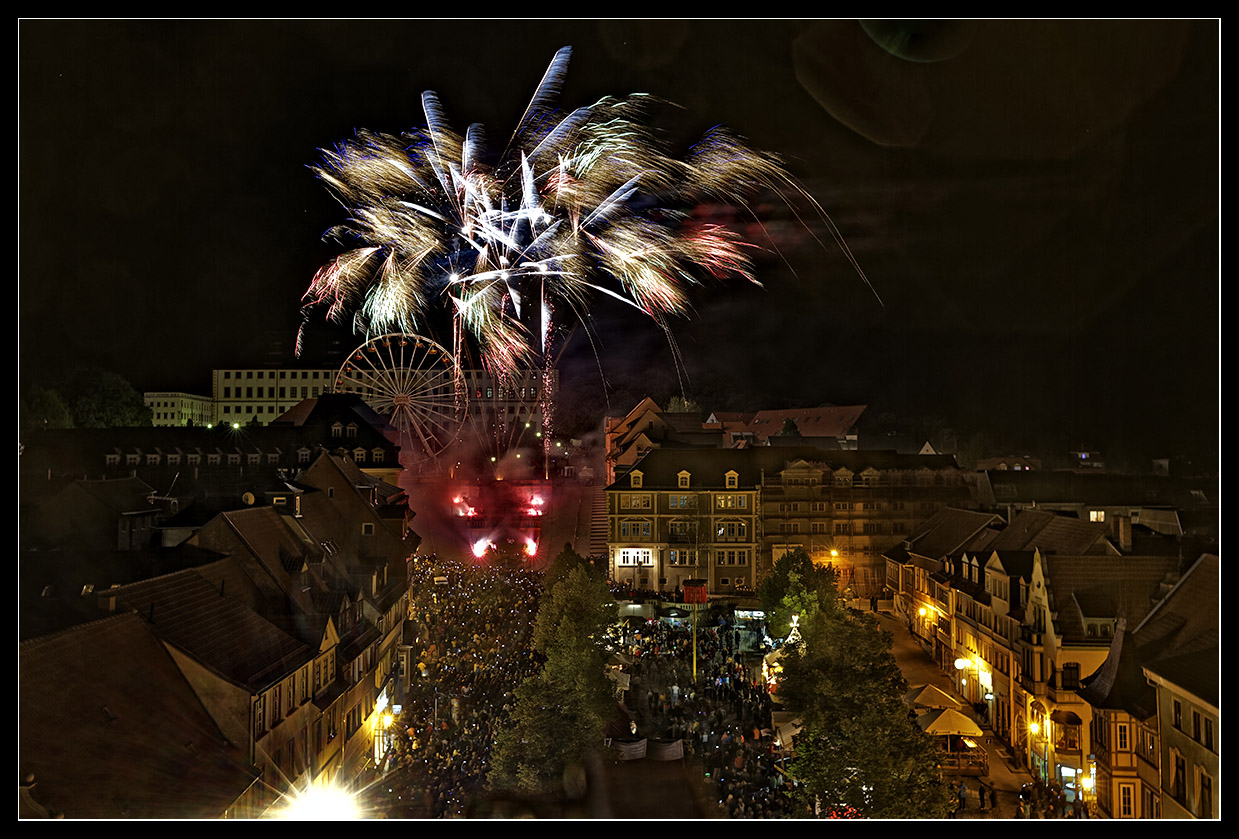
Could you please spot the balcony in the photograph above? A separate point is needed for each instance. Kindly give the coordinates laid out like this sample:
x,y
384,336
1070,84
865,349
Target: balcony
x,y
1031,686
1030,635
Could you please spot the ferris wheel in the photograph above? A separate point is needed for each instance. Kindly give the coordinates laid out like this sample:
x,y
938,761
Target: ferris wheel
x,y
415,384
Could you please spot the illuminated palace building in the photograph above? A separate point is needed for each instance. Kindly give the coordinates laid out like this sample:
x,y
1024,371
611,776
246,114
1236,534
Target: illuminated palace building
x,y
726,514
263,394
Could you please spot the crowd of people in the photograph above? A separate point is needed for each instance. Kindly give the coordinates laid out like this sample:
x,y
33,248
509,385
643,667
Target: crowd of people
x,y
1040,800
472,624
723,718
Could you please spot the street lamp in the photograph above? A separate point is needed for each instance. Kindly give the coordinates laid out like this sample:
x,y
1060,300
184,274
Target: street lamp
x,y
1035,729
1086,789
326,803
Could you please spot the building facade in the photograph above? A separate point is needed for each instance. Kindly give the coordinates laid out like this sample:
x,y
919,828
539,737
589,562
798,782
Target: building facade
x,y
726,514
1018,614
847,508
170,408
685,514
498,408
1156,716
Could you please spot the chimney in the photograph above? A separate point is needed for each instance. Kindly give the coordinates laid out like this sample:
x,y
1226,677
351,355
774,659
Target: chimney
x,y
1124,534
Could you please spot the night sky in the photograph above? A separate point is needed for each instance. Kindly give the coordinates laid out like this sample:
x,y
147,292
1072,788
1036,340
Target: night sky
x,y
1036,203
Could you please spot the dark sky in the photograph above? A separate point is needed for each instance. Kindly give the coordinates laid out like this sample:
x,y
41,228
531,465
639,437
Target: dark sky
x,y
1035,202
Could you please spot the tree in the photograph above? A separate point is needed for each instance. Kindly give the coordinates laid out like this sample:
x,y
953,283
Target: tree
x,y
563,564
43,407
682,405
789,429
795,585
561,711
860,750
102,399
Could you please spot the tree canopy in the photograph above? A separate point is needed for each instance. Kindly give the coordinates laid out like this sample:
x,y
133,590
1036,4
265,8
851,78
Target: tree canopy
x,y
102,399
43,407
796,585
561,711
860,750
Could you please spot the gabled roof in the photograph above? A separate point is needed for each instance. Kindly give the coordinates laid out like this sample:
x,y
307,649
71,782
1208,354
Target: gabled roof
x,y
1196,671
731,418
122,495
219,632
1177,639
1118,684
330,407
662,466
622,425
1090,488
1050,533
951,531
1012,563
110,729
60,588
1103,587
268,545
822,421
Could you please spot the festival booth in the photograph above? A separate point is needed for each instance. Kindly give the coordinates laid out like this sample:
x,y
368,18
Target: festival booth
x,y
959,738
931,697
787,725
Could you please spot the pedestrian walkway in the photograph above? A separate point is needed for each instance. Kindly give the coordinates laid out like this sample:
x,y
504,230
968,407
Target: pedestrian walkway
x,y
594,500
1005,777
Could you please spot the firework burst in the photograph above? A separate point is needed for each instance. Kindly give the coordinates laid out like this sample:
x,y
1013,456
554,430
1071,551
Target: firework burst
x,y
577,205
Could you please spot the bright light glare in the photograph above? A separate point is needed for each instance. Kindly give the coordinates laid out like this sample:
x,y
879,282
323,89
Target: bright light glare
x,y
329,804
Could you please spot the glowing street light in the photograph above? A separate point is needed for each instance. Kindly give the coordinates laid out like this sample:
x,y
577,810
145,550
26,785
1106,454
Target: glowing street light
x,y
327,803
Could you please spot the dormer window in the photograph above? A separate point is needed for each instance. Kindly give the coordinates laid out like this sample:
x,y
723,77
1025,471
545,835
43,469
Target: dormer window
x,y
684,478
337,430
732,479
635,479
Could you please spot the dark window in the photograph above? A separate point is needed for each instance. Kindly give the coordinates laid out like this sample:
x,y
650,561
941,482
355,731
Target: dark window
x,y
1071,676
